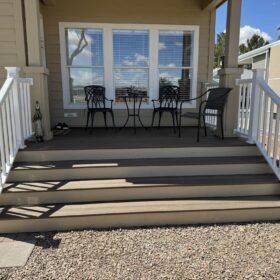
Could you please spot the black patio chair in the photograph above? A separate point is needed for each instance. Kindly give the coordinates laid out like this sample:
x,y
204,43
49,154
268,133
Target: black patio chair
x,y
167,102
215,101
96,103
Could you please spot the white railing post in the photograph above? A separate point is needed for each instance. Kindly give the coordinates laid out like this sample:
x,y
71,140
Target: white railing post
x,y
13,72
255,106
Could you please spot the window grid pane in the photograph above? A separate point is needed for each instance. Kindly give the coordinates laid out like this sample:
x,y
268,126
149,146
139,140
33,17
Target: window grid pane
x,y
81,77
131,62
175,60
84,60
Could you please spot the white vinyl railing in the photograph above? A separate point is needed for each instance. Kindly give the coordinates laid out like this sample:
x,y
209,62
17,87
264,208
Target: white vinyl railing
x,y
245,93
211,121
15,119
259,117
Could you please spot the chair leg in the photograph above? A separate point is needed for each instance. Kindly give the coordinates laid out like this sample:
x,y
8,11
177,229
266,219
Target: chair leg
x,y
113,118
159,119
179,124
105,119
222,126
92,120
88,115
177,118
153,118
198,129
173,120
204,123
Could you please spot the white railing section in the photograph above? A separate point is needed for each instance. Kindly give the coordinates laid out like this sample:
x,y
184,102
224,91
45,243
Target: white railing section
x,y
245,93
259,118
15,119
211,121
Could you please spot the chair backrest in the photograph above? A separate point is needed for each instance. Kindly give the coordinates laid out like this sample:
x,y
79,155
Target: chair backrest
x,y
169,96
95,97
217,99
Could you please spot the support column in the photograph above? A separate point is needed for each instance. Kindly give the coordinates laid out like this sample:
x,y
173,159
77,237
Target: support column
x,y
35,68
231,72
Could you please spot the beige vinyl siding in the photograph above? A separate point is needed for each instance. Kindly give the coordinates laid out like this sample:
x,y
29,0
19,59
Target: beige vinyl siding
x,y
176,12
11,36
274,69
259,62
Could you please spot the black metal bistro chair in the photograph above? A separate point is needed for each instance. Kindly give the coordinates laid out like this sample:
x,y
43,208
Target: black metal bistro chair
x,y
96,103
216,101
167,102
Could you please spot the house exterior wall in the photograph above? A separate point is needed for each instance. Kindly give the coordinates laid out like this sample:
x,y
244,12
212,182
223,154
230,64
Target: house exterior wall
x,y
274,69
259,62
178,12
12,51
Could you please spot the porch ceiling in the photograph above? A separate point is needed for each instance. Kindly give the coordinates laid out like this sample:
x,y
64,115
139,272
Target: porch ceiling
x,y
205,4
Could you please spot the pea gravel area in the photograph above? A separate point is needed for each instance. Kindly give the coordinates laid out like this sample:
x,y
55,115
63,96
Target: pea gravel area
x,y
235,251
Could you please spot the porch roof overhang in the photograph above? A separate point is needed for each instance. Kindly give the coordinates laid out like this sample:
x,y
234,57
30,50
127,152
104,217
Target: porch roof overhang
x,y
49,2
247,58
211,4
205,4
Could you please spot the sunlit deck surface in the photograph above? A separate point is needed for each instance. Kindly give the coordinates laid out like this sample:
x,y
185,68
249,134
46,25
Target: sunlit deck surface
x,y
101,138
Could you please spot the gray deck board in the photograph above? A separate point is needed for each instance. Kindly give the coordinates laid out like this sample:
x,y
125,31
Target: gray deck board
x,y
232,180
101,138
137,162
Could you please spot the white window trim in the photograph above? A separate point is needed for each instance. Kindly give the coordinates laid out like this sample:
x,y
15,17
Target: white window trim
x,y
108,59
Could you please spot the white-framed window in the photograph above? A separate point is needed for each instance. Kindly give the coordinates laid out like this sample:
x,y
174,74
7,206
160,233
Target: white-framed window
x,y
119,56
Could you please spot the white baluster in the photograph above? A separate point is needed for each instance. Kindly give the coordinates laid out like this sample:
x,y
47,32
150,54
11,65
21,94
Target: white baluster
x,y
255,107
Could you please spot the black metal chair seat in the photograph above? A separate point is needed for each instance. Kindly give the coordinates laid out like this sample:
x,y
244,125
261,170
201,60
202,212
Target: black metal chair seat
x,y
194,115
100,109
215,101
167,102
96,103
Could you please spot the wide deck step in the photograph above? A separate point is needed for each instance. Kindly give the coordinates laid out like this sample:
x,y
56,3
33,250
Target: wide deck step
x,y
140,213
128,153
143,167
98,190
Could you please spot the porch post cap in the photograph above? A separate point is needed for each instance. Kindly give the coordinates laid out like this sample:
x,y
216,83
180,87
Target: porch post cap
x,y
12,72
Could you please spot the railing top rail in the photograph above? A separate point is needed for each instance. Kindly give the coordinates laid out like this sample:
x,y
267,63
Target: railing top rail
x,y
243,81
3,91
26,81
269,91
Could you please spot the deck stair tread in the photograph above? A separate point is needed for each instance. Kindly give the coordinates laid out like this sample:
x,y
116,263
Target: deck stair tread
x,y
165,206
18,166
142,182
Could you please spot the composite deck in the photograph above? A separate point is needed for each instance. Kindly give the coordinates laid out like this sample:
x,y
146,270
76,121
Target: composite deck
x,y
100,138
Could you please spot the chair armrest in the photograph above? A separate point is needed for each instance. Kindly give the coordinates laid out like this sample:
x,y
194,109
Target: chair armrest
x,y
191,99
110,100
154,100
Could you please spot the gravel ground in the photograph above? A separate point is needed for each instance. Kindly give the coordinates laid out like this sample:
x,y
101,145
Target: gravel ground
x,y
243,251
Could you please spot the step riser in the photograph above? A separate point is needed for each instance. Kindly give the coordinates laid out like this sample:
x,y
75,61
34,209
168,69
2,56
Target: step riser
x,y
137,193
60,155
139,220
138,171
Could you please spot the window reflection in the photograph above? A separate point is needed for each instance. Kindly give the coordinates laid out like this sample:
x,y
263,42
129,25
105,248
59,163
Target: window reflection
x,y
84,60
175,60
131,62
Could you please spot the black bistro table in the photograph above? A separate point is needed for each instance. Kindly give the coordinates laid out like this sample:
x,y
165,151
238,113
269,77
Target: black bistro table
x,y
134,97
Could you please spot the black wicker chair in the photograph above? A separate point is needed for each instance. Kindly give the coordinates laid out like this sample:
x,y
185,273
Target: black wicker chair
x,y
96,103
167,102
216,100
